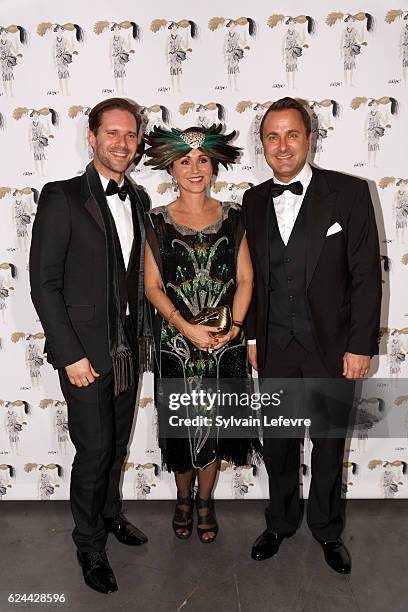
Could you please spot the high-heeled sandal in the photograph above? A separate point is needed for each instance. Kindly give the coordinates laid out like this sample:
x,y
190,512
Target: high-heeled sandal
x,y
208,519
183,519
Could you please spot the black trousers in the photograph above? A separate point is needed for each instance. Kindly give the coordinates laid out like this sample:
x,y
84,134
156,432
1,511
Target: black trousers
x,y
100,426
282,456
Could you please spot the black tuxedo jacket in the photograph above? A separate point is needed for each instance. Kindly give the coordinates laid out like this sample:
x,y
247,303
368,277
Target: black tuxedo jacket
x,y
343,272
68,270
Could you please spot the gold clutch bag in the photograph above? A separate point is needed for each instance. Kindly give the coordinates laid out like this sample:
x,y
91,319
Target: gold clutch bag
x,y
219,316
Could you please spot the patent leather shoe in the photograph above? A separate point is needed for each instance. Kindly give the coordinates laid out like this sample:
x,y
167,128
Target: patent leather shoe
x,y
125,531
266,545
337,556
97,572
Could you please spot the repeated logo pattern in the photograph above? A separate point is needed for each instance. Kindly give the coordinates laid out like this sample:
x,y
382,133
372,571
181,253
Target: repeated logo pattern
x,y
197,66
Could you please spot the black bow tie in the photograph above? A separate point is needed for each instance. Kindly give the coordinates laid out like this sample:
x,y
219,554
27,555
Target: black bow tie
x,y
113,188
296,188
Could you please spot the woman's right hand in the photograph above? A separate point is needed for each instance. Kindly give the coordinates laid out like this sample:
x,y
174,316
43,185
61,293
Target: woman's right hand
x,y
200,336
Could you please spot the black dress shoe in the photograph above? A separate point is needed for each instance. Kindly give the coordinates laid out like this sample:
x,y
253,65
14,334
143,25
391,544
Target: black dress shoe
x,y
124,531
266,546
337,556
97,572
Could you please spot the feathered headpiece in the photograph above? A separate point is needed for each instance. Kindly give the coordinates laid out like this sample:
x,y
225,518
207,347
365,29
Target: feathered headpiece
x,y
47,26
158,24
16,191
392,15
157,108
13,29
9,266
246,104
21,111
217,22
166,146
186,107
75,110
276,19
361,100
333,18
101,26
391,180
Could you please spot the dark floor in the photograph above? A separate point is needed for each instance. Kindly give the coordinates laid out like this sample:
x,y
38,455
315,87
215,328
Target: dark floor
x,y
169,575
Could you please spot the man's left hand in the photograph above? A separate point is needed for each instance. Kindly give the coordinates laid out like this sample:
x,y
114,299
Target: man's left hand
x,y
355,366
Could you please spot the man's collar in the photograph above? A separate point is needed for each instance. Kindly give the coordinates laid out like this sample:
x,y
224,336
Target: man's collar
x,y
105,181
304,176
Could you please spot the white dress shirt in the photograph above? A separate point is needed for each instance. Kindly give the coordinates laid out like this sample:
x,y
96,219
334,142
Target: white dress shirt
x,y
287,207
288,204
122,215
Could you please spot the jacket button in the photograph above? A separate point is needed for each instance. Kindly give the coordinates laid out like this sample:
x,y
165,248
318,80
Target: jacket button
x,y
287,260
289,278
291,297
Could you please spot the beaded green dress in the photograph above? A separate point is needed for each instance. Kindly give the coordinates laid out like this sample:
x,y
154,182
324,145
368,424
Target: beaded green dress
x,y
198,269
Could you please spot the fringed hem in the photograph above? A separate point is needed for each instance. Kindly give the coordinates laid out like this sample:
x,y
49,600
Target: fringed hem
x,y
250,455
146,354
122,369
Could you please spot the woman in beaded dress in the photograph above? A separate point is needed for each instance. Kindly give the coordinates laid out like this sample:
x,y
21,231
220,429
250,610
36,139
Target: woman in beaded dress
x,y
197,257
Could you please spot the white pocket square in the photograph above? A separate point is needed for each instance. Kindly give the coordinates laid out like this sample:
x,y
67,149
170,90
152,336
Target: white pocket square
x,y
333,229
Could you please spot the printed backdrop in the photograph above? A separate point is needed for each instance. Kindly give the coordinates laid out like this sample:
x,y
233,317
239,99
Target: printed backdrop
x,y
193,65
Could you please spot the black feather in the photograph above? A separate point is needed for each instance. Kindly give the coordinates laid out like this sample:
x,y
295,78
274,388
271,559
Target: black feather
x,y
79,33
370,22
394,106
193,29
252,26
335,108
135,30
221,112
165,114
54,116
23,35
311,24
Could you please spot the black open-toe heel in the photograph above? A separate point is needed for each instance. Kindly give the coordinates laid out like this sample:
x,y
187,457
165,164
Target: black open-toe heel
x,y
208,519
183,519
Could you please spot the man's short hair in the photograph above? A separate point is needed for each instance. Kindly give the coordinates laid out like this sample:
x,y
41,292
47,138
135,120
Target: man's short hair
x,y
286,104
95,116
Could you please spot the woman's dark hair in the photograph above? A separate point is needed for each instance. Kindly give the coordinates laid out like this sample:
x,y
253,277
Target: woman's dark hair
x,y
95,116
286,104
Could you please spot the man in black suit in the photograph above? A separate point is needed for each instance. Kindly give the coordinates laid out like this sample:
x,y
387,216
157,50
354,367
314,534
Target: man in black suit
x,y
86,273
315,313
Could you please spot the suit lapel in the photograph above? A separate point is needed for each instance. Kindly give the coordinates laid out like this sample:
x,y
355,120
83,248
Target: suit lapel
x,y
264,215
138,227
96,194
319,214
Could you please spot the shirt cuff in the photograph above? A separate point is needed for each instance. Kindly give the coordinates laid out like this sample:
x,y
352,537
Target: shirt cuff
x,y
251,341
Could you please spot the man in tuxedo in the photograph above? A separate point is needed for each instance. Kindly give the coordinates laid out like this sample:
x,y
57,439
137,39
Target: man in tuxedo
x,y
86,273
315,313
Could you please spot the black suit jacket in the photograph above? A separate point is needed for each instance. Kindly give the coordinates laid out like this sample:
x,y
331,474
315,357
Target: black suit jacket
x,y
343,272
68,270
